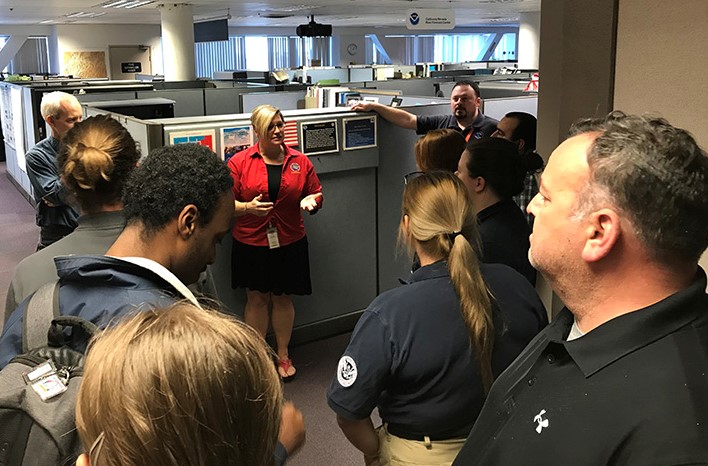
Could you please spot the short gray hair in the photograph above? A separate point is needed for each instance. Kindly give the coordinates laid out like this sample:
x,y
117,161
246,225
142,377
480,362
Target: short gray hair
x,y
51,103
654,173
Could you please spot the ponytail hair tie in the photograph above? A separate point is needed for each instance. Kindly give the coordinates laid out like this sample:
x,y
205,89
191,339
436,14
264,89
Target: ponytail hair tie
x,y
451,236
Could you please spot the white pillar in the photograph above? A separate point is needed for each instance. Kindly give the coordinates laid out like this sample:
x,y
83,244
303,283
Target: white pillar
x,y
529,40
177,41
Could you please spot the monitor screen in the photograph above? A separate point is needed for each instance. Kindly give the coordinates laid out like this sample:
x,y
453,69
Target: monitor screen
x,y
210,31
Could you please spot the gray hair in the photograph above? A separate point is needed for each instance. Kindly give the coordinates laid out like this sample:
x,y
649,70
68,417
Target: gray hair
x,y
656,175
51,103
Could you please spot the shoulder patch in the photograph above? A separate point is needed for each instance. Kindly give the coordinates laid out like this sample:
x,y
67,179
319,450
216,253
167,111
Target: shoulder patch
x,y
346,371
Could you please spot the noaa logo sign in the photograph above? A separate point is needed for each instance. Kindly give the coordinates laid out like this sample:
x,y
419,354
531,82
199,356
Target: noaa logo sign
x,y
430,18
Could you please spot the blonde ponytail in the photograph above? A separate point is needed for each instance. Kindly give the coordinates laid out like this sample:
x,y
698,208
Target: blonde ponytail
x,y
441,220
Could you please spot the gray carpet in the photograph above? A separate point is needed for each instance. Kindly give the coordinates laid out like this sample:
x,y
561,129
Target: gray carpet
x,y
316,362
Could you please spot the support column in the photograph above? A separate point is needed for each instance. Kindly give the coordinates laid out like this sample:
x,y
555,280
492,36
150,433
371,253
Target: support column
x,y
529,40
177,25
576,67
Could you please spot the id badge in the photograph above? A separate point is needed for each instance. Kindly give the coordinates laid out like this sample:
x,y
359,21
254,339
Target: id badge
x,y
273,241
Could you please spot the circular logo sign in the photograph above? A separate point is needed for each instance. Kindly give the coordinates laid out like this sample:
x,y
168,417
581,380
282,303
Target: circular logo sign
x,y
346,371
414,19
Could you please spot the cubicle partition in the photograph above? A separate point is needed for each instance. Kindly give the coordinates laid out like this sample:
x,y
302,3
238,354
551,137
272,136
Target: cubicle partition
x,y
344,149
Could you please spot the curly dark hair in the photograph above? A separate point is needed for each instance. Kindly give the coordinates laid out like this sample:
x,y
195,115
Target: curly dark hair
x,y
171,178
95,160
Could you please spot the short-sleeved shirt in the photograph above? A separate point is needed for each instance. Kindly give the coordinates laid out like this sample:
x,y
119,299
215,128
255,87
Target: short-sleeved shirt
x,y
632,392
43,175
298,181
505,237
482,126
410,353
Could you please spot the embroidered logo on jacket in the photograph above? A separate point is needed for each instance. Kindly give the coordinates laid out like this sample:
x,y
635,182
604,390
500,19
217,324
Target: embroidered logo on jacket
x,y
542,423
295,167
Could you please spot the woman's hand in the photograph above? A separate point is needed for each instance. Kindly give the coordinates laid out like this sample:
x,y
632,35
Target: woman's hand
x,y
258,208
309,203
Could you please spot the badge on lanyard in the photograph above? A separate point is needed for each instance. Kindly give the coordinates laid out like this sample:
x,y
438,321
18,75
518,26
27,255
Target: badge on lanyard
x,y
272,232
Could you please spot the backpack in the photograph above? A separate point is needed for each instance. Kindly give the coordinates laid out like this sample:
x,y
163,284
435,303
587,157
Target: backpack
x,y
38,388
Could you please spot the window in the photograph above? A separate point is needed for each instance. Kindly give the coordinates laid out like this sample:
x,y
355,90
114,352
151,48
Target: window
x,y
247,53
31,58
493,45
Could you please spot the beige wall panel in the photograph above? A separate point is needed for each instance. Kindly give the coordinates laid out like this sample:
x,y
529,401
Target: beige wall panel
x,y
661,63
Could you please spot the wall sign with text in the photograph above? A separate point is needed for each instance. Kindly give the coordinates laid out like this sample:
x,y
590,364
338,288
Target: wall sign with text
x,y
359,133
430,18
319,137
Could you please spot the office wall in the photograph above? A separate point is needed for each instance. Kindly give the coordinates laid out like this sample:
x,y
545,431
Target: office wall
x,y
661,62
98,37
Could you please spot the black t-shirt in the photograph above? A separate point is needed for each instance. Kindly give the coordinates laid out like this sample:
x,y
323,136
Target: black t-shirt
x,y
632,392
410,353
275,173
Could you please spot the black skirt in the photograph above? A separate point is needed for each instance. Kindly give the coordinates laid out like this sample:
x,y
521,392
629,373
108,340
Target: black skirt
x,y
284,270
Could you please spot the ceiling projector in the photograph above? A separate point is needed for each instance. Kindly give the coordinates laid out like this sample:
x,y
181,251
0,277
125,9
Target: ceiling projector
x,y
313,29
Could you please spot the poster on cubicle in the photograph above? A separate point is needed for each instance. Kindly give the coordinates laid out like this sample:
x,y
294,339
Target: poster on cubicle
x,y
319,137
234,140
359,133
203,137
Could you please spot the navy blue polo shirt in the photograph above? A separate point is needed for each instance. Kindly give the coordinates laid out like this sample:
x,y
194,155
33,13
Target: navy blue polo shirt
x,y
410,353
482,126
505,237
633,391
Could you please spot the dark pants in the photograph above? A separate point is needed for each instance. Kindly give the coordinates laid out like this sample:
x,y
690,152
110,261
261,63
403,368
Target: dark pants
x,y
52,233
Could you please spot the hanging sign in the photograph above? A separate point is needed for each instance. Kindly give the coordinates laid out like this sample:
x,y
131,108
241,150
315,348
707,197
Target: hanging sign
x,y
430,19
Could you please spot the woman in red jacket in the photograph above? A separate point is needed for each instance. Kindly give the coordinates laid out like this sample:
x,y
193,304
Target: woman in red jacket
x,y
272,184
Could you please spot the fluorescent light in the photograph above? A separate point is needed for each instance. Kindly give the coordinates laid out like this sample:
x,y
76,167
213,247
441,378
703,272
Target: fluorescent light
x,y
135,5
113,4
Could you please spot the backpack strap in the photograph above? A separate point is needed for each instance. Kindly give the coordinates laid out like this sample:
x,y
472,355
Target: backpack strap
x,y
41,309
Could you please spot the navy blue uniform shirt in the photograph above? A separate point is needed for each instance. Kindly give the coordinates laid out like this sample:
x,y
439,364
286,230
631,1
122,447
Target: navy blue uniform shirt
x,y
410,353
482,126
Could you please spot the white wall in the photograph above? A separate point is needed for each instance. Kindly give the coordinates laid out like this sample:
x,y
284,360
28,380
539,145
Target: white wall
x,y
88,38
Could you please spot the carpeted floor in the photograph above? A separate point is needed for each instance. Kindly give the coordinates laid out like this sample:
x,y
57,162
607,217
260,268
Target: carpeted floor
x,y
316,362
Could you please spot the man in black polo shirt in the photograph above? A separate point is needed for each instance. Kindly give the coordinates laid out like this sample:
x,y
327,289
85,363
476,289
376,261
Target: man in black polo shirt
x,y
466,118
621,375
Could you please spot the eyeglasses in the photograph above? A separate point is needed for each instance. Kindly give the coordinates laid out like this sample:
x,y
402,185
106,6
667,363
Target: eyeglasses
x,y
272,126
411,176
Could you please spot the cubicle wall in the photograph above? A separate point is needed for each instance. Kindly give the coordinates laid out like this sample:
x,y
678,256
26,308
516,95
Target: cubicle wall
x,y
342,236
396,159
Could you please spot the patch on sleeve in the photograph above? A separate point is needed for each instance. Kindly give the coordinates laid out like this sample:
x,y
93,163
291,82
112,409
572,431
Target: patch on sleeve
x,y
346,371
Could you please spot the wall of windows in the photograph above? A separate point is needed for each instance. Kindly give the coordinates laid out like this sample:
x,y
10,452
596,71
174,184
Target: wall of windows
x,y
31,58
410,49
261,53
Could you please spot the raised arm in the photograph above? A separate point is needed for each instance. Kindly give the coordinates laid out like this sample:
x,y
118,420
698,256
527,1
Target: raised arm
x,y
397,116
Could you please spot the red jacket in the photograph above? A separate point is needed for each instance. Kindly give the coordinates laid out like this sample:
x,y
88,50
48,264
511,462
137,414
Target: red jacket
x,y
251,179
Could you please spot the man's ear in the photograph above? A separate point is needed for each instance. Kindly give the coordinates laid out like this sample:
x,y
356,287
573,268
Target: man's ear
x,y
603,230
83,460
479,184
187,221
521,144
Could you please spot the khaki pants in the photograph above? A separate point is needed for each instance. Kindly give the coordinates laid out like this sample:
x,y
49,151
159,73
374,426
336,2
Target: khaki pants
x,y
395,451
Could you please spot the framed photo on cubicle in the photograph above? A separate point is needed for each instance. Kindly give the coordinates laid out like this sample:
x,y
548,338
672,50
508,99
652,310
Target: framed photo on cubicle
x,y
203,137
319,137
235,139
360,133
